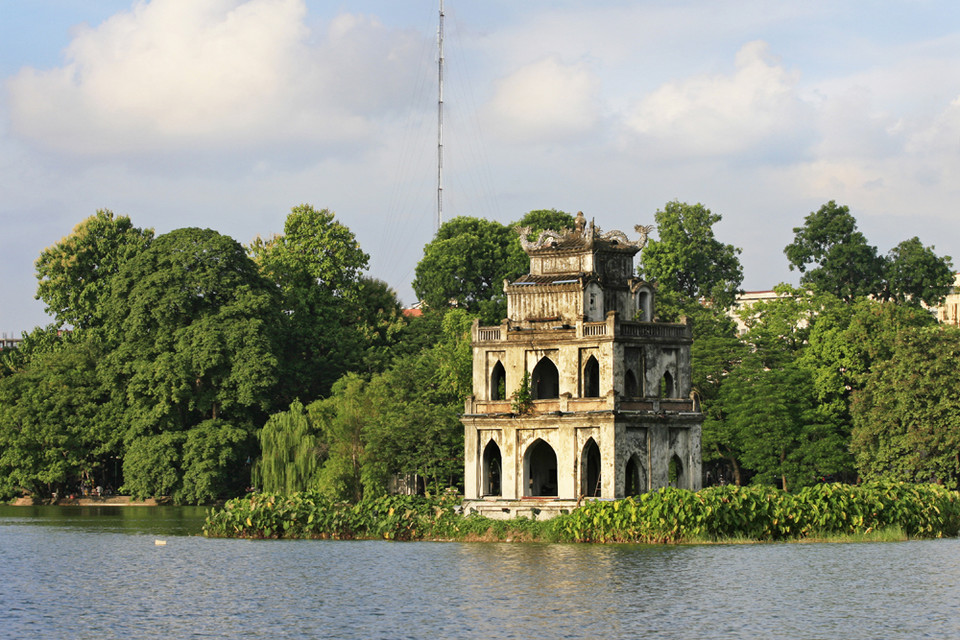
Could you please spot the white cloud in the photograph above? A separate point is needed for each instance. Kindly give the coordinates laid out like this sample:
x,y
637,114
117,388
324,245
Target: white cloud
x,y
175,74
888,166
751,111
545,101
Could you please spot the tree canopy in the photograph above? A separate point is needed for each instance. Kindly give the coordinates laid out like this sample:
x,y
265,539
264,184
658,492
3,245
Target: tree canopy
x,y
914,274
836,258
687,262
168,353
56,425
464,266
74,275
316,266
192,330
907,416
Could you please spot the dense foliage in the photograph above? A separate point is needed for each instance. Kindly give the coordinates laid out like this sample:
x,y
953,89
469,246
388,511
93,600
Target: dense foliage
x,y
168,353
836,258
401,422
669,515
906,419
764,513
316,266
813,397
688,263
75,275
464,266
189,366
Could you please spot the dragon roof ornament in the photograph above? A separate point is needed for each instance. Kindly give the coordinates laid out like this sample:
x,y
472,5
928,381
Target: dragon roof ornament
x,y
582,232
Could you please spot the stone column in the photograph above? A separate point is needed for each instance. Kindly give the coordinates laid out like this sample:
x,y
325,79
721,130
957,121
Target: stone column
x,y
611,480
471,483
512,465
567,457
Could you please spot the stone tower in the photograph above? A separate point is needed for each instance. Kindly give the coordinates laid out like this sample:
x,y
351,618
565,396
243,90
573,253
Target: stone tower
x,y
611,412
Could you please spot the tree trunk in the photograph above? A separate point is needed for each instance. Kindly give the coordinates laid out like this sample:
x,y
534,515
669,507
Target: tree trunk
x,y
783,476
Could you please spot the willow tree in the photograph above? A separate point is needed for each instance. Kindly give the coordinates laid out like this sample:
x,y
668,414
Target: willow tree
x,y
290,452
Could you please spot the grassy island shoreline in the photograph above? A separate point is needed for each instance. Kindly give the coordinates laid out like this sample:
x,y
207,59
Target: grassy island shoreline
x,y
825,512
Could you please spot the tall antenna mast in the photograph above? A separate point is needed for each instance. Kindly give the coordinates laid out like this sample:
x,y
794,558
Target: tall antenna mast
x,y
440,121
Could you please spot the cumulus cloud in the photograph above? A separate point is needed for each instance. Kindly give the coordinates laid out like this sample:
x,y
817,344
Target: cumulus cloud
x,y
752,111
545,101
175,74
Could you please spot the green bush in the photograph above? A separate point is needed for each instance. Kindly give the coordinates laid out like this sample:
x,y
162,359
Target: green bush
x,y
664,516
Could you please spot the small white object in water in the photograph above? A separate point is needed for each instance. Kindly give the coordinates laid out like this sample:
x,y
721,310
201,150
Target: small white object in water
x,y
159,543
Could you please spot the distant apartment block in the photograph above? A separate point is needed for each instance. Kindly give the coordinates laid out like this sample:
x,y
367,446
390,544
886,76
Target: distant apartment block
x,y
9,342
745,300
947,312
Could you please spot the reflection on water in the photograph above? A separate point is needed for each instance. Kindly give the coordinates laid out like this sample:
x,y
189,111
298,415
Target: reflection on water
x,y
174,521
64,574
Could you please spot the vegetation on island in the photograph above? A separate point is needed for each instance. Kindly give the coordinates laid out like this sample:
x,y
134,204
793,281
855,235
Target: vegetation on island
x,y
191,366
715,514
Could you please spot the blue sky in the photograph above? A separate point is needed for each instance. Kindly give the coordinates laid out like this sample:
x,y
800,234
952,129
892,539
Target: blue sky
x,y
227,113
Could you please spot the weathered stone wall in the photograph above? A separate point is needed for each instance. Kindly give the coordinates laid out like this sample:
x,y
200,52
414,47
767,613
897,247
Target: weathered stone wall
x,y
576,310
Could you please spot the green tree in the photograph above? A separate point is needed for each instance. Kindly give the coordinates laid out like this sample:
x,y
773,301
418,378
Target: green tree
x,y
214,462
464,266
688,263
907,416
767,418
342,419
380,323
41,340
778,329
716,352
543,220
192,326
290,452
418,430
845,341
915,274
314,246
771,415
74,276
56,423
833,256
190,334
316,265
152,465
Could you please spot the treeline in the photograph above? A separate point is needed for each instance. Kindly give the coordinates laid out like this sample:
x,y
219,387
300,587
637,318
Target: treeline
x,y
191,366
670,515
845,378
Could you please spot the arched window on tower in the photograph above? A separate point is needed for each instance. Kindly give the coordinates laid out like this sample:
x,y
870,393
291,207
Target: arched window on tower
x,y
644,306
675,475
545,381
498,382
630,384
666,386
540,470
590,470
491,472
635,477
591,378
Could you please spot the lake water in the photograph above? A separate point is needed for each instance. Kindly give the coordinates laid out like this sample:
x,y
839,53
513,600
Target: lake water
x,y
97,573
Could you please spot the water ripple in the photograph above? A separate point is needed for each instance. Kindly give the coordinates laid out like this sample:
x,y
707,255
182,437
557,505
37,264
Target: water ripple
x,y
77,580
